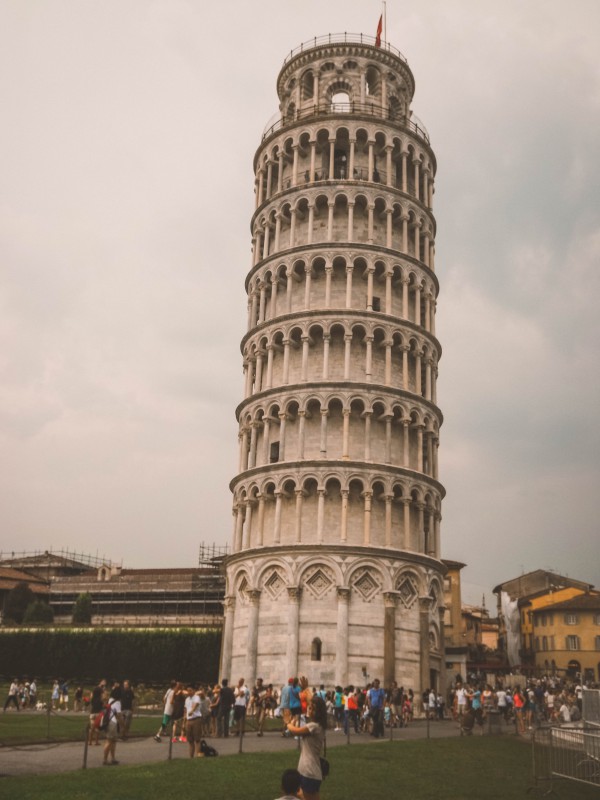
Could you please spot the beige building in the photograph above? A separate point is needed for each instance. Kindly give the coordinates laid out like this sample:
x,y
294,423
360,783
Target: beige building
x,y
517,599
335,570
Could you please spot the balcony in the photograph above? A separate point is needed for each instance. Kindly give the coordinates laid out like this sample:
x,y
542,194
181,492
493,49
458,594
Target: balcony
x,y
343,38
326,111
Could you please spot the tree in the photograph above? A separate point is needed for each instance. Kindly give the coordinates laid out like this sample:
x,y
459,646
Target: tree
x,y
82,610
17,601
38,611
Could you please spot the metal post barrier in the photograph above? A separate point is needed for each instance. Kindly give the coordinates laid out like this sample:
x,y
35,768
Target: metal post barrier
x,y
170,756
427,718
86,745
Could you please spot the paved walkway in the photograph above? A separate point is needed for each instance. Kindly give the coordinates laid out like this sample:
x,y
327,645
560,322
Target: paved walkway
x,y
48,759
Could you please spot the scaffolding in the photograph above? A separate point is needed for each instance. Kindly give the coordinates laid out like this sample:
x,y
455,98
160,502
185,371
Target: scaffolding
x,y
9,558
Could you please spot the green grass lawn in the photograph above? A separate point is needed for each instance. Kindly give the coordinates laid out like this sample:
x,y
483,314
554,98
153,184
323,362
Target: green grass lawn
x,y
31,727
24,728
442,769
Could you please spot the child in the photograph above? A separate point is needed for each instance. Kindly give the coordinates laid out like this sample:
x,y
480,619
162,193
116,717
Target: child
x,y
290,784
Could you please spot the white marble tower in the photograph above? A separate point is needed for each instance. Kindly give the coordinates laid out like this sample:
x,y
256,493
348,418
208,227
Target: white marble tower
x,y
335,569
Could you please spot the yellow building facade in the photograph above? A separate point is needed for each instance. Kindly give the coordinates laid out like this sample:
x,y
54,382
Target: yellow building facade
x,y
566,637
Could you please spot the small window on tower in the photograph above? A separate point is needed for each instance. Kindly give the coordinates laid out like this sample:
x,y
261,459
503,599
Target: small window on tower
x,y
315,650
376,304
274,453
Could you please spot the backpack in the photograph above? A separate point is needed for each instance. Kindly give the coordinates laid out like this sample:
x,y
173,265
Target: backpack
x,y
206,750
102,718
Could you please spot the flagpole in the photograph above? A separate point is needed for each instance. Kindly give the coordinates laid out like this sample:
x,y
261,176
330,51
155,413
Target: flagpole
x,y
384,21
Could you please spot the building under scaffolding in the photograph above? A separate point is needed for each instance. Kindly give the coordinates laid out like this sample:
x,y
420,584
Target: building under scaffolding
x,y
191,596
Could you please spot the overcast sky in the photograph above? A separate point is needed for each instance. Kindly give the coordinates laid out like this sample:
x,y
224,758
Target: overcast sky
x,y
126,189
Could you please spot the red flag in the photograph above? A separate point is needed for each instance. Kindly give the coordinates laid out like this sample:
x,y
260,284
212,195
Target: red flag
x,y
379,29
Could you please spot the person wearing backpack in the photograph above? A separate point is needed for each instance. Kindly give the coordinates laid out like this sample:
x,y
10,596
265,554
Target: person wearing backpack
x,y
112,728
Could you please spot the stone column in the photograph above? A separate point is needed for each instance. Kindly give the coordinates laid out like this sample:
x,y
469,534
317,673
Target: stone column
x,y
350,221
328,274
239,525
304,370
252,454
417,304
282,421
344,516
289,289
227,649
326,340
298,525
405,282
294,597
331,158
405,375
349,270
404,172
261,520
388,519
419,429
388,293
295,165
292,227
370,272
286,361
347,349
341,641
416,164
405,443
260,187
320,514
346,434
269,179
388,164
280,172
424,607
371,161
407,544
259,371
388,362
367,518
277,523
252,641
388,227
313,152
311,222
266,239
330,208
420,527
247,532
323,443
301,434
388,439
351,164
389,638
269,382
367,417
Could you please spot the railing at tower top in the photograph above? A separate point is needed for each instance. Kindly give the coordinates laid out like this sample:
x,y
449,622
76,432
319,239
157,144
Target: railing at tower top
x,y
343,38
364,109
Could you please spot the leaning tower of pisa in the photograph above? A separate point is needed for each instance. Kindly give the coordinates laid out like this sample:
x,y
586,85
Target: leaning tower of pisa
x,y
335,569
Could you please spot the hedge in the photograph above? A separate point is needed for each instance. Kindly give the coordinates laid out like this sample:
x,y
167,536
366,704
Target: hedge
x,y
142,655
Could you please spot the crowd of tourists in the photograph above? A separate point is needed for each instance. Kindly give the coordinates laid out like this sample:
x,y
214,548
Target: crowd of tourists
x,y
544,700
